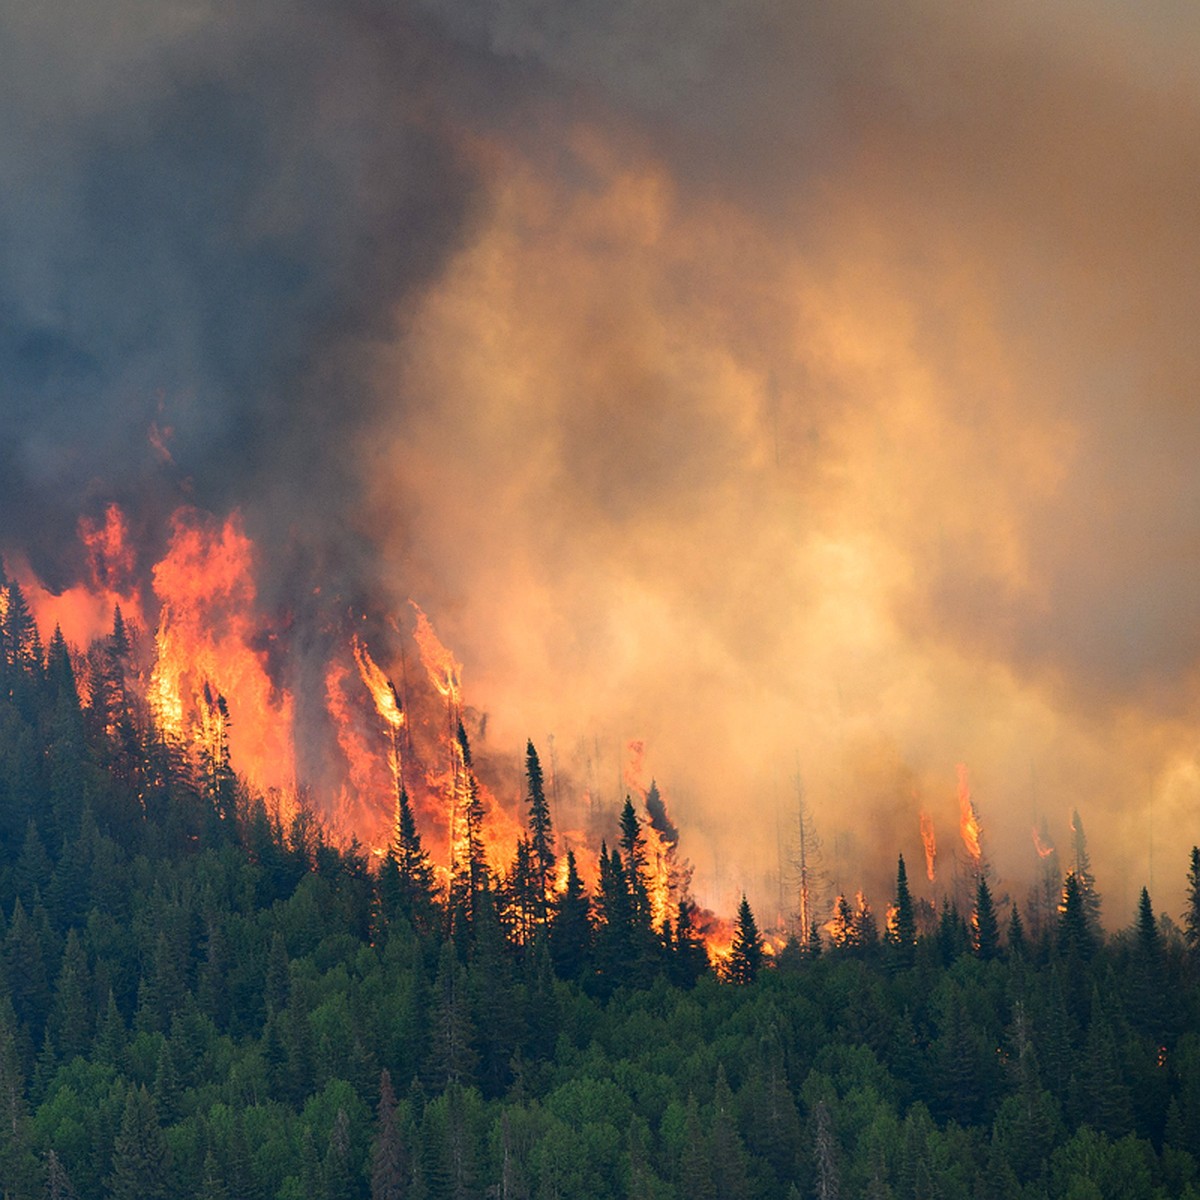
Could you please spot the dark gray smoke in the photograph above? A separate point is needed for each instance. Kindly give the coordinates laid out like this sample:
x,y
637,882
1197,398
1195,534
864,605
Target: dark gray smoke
x,y
211,217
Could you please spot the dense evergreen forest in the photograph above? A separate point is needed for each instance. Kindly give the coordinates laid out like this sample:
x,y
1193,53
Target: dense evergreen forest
x,y
197,1002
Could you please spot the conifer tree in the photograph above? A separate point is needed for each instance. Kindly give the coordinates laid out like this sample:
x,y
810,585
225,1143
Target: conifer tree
x,y
1191,916
72,1012
140,1162
614,939
212,1186
746,953
540,833
58,1183
337,1172
1101,1097
451,1055
570,926
985,927
1082,867
824,1154
417,882
689,956
1016,931
470,867
730,1178
633,850
1148,985
864,932
17,1164
1075,936
389,1166
904,934
695,1172
1046,893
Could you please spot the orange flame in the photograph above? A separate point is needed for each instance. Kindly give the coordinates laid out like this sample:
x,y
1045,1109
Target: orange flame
x,y
659,881
383,691
929,841
969,826
209,634
362,805
85,612
1044,850
445,671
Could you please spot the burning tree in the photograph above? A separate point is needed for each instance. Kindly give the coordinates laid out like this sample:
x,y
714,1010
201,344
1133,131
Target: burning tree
x,y
540,835
811,880
1081,866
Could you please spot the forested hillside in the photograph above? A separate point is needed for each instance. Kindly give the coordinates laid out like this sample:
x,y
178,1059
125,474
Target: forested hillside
x,y
196,1001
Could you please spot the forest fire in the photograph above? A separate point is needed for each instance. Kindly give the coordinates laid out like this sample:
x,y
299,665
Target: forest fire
x,y
1044,849
929,843
214,677
85,611
210,634
969,827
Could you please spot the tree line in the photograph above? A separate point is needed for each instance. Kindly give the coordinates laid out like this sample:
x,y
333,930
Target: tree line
x,y
198,1002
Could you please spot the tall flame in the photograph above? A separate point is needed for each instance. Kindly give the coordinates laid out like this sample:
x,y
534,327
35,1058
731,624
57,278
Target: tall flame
x,y
209,634
362,804
929,841
969,826
445,671
382,689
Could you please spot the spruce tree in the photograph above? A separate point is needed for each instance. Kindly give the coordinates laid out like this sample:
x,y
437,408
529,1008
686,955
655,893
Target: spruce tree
x,y
140,1161
1075,938
1016,931
417,882
633,850
730,1177
746,953
540,833
1148,984
904,934
570,926
451,1057
1191,915
689,956
1082,867
985,927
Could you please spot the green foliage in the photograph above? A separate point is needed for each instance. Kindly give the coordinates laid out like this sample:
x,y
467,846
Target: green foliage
x,y
223,1008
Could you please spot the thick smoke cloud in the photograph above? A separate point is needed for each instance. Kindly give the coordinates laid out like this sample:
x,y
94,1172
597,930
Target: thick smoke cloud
x,y
212,213
800,389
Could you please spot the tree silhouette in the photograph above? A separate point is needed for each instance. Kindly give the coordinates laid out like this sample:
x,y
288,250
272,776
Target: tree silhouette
x,y
746,953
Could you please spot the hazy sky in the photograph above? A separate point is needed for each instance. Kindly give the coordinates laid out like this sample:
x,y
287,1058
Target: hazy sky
x,y
794,387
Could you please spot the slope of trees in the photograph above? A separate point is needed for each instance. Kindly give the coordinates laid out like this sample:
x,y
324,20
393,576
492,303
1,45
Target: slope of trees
x,y
196,1002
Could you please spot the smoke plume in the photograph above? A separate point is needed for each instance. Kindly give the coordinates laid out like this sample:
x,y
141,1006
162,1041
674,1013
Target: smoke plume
x,y
771,383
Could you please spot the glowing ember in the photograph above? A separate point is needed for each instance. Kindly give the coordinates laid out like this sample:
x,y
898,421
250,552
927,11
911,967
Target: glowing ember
x,y
969,827
929,841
